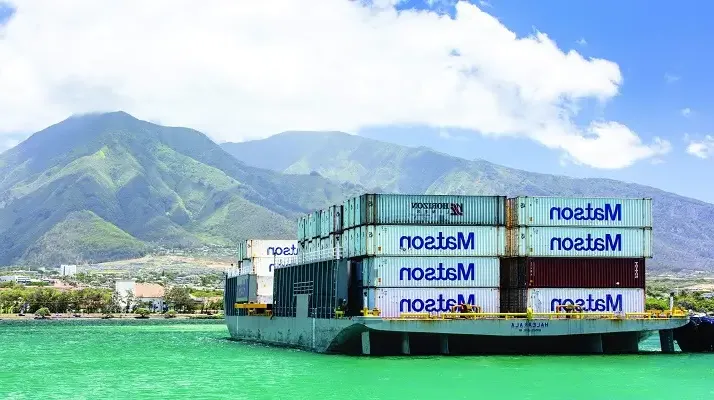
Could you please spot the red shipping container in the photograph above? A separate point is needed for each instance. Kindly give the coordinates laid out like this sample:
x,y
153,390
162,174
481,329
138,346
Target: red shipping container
x,y
552,272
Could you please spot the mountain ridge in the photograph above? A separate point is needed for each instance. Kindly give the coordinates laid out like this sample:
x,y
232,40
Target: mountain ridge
x,y
161,186
682,225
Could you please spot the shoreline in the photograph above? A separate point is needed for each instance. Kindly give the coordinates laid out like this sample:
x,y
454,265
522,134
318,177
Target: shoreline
x,y
98,316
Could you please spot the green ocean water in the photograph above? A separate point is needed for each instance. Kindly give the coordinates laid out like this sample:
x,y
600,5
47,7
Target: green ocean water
x,y
175,359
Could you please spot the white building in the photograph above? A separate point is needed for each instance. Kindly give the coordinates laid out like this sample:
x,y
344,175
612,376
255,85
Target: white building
x,y
16,278
150,294
68,270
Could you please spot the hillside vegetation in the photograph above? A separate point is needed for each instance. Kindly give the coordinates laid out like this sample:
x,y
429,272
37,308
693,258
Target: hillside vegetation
x,y
109,186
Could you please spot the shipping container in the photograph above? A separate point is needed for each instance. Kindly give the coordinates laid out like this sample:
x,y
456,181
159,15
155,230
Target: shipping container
x,y
330,242
250,287
579,242
264,266
403,209
325,282
554,272
430,272
330,221
413,240
579,211
248,249
615,300
229,296
391,302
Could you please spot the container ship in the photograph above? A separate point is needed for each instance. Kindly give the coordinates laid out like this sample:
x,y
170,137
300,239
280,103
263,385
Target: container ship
x,y
385,274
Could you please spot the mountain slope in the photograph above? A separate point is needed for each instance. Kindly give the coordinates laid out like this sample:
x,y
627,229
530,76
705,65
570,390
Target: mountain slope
x,y
159,185
684,227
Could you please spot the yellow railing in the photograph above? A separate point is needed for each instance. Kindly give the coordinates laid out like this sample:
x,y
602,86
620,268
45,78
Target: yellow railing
x,y
648,315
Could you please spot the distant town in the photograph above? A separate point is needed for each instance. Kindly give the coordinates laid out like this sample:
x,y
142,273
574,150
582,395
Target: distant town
x,y
167,285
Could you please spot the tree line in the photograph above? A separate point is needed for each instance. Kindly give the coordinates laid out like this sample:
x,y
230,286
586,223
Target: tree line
x,y
17,298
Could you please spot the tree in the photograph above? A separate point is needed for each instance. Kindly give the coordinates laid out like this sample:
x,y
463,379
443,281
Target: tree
x,y
179,298
142,312
43,312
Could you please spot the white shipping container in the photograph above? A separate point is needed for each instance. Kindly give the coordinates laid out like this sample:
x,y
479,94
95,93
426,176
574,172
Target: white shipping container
x,y
393,301
264,266
250,287
425,240
579,242
431,272
591,300
579,211
269,248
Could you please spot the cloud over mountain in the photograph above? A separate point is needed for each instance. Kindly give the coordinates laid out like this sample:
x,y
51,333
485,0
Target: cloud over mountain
x,y
240,70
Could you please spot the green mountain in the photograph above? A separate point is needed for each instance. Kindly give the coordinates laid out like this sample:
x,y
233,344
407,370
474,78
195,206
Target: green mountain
x,y
107,186
683,227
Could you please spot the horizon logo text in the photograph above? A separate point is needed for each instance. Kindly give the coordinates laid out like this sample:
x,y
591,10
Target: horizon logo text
x,y
282,251
439,304
589,213
456,209
609,304
588,243
440,273
438,242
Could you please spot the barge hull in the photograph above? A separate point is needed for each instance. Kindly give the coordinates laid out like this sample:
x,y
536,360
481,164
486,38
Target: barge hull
x,y
495,336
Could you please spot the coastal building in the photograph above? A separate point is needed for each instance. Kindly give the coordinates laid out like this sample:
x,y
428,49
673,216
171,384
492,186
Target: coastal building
x,y
68,270
16,278
150,295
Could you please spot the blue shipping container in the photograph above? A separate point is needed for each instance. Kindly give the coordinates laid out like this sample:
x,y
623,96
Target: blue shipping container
x,y
579,211
426,240
579,242
402,209
430,272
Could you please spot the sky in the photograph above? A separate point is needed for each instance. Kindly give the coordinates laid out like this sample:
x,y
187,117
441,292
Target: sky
x,y
588,89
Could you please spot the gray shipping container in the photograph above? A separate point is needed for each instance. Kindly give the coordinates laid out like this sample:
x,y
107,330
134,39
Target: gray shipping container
x,y
401,209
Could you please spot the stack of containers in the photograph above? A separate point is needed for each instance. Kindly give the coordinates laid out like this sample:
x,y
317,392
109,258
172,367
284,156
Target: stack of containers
x,y
310,234
258,260
582,251
425,253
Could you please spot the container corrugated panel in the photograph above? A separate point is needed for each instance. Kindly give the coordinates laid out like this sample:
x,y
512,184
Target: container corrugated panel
x,y
430,272
330,242
616,300
246,288
579,242
393,301
580,211
554,272
336,216
318,223
414,240
268,248
400,209
347,214
513,300
317,278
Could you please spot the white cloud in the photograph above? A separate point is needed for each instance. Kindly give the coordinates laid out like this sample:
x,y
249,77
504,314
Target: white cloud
x,y
582,42
671,78
703,148
686,112
242,70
